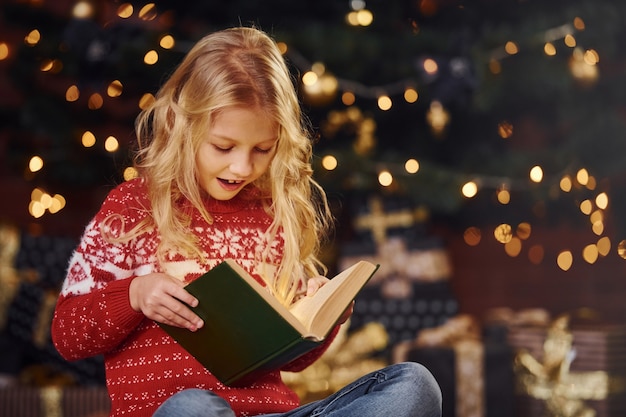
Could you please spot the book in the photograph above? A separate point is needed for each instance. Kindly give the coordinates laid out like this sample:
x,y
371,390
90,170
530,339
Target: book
x,y
247,330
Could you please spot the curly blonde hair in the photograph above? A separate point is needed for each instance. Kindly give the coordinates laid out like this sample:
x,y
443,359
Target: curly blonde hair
x,y
233,68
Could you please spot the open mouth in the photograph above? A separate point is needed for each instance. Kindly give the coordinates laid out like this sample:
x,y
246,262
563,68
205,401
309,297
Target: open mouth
x,y
231,182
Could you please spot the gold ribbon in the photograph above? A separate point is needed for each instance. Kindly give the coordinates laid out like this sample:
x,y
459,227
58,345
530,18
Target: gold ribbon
x,y
51,401
552,381
41,329
462,334
348,358
9,277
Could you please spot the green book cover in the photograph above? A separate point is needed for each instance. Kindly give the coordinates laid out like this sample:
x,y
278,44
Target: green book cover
x,y
243,332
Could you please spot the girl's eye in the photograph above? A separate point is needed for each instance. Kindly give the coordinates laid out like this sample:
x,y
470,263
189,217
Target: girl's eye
x,y
222,149
260,150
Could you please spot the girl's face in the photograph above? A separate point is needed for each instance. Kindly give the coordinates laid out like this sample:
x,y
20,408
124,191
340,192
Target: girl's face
x,y
238,149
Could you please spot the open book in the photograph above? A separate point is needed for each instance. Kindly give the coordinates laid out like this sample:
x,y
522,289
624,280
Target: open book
x,y
247,330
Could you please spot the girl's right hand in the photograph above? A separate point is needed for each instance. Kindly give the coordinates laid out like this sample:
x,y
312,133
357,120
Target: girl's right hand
x,y
161,297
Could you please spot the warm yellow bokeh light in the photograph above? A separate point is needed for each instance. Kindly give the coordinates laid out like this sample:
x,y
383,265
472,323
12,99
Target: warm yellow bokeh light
x,y
36,209
586,206
33,38
511,48
384,103
167,42
430,66
35,163
505,129
569,40
364,17
536,174
596,216
115,88
566,184
410,95
95,101
4,51
604,246
83,10
309,78
597,228
385,178
72,93
590,254
579,24
565,260
591,57
148,12
40,201
88,139
549,49
111,144
472,236
504,196
125,10
621,249
469,189
582,176
282,47
146,100
151,57
412,166
58,203
523,230
329,162
602,201
503,233
513,247
130,173
348,98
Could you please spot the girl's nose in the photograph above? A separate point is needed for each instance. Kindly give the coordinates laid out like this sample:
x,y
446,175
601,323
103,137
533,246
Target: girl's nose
x,y
241,165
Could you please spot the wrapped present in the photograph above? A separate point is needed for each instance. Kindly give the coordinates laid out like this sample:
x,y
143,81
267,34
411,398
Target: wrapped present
x,y
474,373
564,370
351,355
32,269
426,305
54,401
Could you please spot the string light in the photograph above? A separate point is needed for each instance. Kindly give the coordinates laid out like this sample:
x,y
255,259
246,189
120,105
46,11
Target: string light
x,y
4,51
35,164
125,10
469,189
88,139
111,144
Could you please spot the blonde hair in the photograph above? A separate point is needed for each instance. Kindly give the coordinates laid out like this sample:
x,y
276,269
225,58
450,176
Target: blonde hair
x,y
232,68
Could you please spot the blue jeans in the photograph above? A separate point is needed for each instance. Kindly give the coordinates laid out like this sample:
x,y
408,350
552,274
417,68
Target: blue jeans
x,y
401,390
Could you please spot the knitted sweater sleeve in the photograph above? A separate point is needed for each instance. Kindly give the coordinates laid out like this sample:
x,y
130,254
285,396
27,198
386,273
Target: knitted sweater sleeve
x,y
93,313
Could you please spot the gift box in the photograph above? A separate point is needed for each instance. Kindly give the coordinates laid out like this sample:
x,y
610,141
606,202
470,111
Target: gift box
x,y
563,370
473,367
54,402
32,272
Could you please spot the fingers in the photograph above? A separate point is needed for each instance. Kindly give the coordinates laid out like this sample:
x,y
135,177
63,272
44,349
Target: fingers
x,y
162,298
314,284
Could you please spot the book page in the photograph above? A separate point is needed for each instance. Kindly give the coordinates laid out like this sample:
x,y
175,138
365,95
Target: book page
x,y
320,312
269,298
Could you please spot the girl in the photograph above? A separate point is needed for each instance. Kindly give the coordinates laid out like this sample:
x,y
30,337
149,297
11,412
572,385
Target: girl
x,y
224,172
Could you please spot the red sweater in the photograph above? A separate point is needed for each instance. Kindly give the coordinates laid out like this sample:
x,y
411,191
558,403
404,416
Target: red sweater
x,y
144,365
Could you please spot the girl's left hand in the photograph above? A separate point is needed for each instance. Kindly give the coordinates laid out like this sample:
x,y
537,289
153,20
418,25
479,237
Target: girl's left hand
x,y
315,283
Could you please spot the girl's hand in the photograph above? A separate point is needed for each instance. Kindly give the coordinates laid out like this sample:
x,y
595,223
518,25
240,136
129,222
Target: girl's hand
x,y
315,283
161,297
